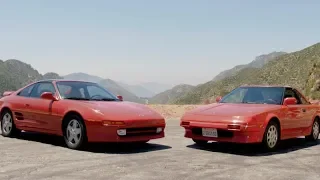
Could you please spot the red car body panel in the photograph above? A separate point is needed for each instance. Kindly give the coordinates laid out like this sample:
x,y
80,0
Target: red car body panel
x,y
46,116
246,123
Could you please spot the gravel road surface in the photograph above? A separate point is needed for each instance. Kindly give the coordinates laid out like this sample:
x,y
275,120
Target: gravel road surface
x,y
35,156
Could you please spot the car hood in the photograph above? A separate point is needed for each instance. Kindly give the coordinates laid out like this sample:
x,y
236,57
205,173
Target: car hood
x,y
122,109
228,109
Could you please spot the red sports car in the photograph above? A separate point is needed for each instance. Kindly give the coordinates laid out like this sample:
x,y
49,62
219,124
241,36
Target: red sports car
x,y
254,114
80,112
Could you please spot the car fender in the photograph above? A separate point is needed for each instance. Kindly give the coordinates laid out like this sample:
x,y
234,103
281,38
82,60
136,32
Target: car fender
x,y
316,114
88,114
268,118
4,104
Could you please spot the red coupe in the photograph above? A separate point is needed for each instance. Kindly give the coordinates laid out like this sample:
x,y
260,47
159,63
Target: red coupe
x,y
254,114
80,112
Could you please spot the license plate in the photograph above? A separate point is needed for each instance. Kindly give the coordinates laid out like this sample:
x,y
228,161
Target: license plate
x,y
209,132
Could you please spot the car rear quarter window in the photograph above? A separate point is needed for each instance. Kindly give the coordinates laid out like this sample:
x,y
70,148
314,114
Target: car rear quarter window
x,y
26,91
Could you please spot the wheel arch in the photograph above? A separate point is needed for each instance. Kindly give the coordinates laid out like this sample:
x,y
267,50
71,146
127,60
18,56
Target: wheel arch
x,y
273,118
66,118
5,108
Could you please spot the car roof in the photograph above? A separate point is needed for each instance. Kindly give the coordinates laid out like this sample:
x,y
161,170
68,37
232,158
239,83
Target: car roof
x,y
62,80
284,86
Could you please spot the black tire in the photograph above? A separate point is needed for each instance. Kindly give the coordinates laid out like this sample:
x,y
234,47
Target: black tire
x,y
271,136
200,142
7,131
69,135
314,135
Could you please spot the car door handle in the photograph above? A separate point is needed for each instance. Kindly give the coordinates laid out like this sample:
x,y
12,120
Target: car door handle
x,y
27,105
303,110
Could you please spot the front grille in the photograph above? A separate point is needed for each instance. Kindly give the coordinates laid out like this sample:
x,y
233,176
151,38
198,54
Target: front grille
x,y
221,133
141,131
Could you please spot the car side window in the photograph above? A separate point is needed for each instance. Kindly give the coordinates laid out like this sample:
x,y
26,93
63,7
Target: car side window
x,y
303,100
41,88
291,93
26,91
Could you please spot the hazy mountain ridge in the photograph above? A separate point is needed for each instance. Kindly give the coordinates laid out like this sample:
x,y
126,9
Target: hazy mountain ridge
x,y
148,89
109,84
156,87
52,75
171,94
258,62
80,76
300,69
14,74
138,90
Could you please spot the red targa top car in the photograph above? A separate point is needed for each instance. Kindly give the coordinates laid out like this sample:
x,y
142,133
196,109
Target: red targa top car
x,y
80,112
254,114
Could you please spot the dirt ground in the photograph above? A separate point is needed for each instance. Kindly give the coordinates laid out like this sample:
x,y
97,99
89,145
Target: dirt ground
x,y
172,111
33,157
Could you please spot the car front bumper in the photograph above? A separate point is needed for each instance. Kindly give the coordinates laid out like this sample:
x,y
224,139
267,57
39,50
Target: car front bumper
x,y
243,134
132,131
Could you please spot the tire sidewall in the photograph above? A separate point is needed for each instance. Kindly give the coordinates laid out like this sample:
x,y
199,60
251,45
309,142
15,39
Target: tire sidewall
x,y
83,133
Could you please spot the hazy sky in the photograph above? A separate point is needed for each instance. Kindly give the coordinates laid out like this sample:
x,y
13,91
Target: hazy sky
x,y
167,41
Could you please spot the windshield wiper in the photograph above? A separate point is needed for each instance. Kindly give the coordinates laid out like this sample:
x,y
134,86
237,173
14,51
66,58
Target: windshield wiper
x,y
77,98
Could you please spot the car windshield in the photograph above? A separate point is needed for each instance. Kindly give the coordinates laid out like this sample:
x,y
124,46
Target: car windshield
x,y
84,91
255,95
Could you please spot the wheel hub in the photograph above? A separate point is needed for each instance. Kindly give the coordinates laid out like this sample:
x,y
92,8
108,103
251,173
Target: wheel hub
x,y
74,132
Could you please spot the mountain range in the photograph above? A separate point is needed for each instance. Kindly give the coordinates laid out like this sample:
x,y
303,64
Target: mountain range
x,y
258,62
15,74
299,69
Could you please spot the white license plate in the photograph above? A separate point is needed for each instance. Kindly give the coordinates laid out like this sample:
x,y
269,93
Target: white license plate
x,y
209,132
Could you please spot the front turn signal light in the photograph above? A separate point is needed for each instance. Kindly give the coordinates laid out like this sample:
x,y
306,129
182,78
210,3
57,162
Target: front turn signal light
x,y
113,123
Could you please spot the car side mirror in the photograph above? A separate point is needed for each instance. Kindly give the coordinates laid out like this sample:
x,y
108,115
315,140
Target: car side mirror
x,y
290,101
7,93
120,97
48,96
218,99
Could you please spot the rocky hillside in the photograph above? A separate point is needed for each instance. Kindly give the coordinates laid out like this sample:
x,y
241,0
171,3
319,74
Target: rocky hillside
x,y
299,69
14,74
258,62
171,94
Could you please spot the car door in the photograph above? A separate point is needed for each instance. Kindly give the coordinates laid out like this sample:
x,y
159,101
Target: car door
x,y
23,116
42,113
308,110
293,119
